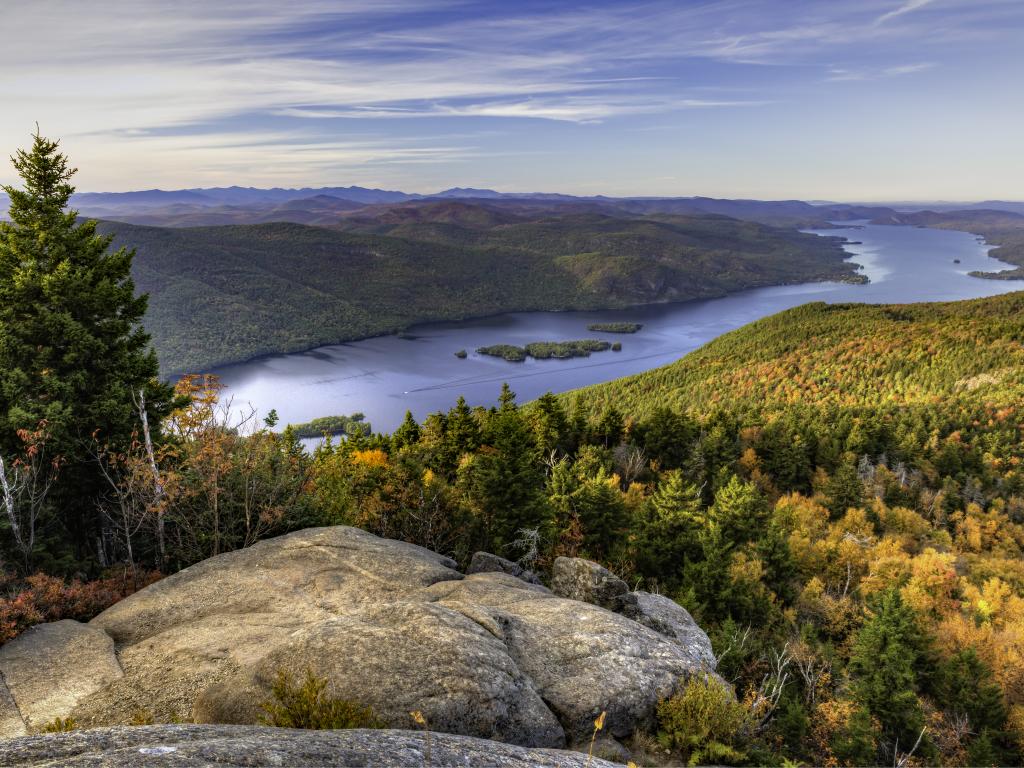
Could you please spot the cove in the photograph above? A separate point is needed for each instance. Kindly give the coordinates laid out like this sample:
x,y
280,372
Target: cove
x,y
385,376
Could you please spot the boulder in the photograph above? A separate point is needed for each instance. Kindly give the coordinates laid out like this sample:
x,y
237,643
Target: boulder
x,y
485,562
667,617
386,624
579,579
49,668
583,659
235,746
11,723
397,658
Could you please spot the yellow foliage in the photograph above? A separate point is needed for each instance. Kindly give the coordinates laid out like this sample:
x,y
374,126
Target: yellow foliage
x,y
932,587
371,457
1015,725
828,719
904,525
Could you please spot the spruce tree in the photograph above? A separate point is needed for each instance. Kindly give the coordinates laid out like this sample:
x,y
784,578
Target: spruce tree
x,y
741,510
73,355
408,433
670,535
883,666
508,479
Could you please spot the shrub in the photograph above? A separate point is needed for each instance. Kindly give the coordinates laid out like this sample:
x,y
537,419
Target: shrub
x,y
705,723
306,705
60,725
42,598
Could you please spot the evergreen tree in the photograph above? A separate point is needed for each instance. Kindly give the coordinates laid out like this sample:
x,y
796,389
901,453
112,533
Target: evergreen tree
x,y
740,510
844,490
73,355
670,534
772,548
610,429
461,436
882,664
506,399
667,437
408,433
966,687
602,513
507,479
550,425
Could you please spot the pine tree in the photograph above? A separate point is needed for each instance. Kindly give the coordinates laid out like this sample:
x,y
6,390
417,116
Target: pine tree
x,y
73,355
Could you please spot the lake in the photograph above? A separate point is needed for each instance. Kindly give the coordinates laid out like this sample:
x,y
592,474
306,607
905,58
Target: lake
x,y
385,376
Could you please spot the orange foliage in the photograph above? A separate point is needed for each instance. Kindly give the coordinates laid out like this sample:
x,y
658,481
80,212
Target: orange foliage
x,y
48,598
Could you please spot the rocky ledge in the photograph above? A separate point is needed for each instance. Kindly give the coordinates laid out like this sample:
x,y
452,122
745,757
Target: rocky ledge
x,y
235,746
387,624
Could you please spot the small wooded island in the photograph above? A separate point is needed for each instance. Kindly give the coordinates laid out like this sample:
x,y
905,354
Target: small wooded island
x,y
543,350
615,327
333,425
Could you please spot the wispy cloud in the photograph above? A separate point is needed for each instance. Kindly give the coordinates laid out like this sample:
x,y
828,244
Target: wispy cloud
x,y
841,74
907,7
348,84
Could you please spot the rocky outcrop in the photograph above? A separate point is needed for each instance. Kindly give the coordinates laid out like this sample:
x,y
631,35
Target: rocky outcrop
x,y
667,617
48,669
387,624
187,746
485,562
579,579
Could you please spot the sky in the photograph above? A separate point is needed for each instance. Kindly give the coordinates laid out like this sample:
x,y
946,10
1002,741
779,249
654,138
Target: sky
x,y
873,100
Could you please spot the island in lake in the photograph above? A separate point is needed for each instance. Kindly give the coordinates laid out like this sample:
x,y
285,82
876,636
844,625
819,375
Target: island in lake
x,y
615,327
543,350
332,425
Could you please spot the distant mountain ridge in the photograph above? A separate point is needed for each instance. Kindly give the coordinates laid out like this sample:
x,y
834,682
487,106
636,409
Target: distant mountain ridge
x,y
251,205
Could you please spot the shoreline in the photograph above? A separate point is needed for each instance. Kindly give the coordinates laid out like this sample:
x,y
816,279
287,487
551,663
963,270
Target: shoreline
x,y
411,328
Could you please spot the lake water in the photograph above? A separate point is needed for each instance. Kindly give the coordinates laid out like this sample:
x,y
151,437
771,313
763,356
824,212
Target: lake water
x,y
385,376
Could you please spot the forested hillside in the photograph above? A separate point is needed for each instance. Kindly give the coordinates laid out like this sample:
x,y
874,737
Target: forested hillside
x,y
220,294
847,355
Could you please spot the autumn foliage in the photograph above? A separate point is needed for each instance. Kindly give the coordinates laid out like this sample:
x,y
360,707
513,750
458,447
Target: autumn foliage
x,y
40,598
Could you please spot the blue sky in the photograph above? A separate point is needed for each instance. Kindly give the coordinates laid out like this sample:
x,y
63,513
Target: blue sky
x,y
822,99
